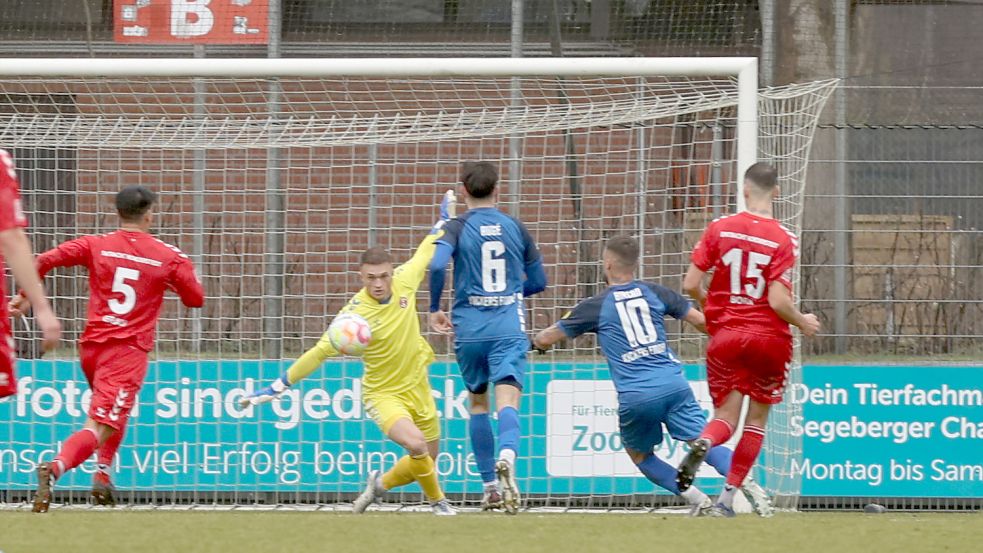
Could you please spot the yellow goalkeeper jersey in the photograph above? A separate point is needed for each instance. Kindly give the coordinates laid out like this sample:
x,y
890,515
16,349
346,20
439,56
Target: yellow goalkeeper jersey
x,y
398,356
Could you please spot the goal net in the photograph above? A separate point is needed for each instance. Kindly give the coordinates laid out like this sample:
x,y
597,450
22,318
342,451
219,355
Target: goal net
x,y
275,184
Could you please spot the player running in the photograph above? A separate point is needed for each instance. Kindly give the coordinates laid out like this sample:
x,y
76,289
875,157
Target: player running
x,y
496,265
749,308
396,391
16,251
129,271
628,318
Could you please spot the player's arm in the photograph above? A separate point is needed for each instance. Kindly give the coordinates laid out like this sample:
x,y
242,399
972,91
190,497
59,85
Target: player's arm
x,y
695,318
678,307
68,254
413,271
582,319
701,260
535,273
17,252
443,252
780,299
185,283
693,285
307,363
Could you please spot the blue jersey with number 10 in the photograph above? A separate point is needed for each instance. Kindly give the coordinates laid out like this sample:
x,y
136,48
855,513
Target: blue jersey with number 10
x,y
491,253
629,322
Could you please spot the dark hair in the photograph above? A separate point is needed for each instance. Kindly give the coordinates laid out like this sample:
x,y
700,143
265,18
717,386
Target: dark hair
x,y
479,178
133,201
376,256
763,175
625,249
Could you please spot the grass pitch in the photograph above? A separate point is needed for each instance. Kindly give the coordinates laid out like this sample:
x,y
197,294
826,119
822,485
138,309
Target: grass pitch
x,y
246,532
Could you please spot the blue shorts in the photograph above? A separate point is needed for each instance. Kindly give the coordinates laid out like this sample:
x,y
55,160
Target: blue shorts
x,y
641,421
495,361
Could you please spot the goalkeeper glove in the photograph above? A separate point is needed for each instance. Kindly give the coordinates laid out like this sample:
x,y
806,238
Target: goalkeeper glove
x,y
267,394
448,209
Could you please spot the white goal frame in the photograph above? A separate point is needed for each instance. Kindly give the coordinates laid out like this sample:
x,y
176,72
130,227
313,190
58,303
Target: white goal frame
x,y
744,69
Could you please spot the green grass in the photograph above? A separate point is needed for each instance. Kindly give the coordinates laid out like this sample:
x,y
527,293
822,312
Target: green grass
x,y
245,532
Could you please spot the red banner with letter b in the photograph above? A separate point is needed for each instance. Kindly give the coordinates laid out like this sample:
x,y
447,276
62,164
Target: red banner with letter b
x,y
191,21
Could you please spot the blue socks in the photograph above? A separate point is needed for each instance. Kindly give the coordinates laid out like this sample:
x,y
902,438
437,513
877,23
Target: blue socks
x,y
660,473
483,440
719,458
508,429
483,445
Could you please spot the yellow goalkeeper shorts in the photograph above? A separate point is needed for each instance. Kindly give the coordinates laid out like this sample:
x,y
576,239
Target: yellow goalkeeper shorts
x,y
416,404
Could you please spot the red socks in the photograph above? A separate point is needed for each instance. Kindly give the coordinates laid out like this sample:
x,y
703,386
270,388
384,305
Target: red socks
x,y
107,451
77,448
745,454
718,431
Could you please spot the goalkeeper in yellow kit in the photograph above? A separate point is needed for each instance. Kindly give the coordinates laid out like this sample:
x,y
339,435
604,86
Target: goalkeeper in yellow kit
x,y
396,391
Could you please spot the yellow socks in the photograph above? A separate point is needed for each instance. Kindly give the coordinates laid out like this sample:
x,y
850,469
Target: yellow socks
x,y
407,469
425,473
400,475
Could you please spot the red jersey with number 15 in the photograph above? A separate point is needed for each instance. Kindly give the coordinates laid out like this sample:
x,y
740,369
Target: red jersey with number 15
x,y
129,271
747,253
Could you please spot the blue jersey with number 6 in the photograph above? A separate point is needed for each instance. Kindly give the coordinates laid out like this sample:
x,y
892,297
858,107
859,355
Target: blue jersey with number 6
x,y
491,253
629,322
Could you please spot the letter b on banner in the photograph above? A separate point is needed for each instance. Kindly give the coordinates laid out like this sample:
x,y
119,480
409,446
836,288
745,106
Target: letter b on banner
x,y
191,18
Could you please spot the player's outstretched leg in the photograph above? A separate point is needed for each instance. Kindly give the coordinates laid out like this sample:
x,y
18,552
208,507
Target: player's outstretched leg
x,y
698,450
76,449
372,493
663,474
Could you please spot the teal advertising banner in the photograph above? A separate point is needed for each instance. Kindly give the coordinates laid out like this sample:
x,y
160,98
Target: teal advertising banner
x,y
895,431
866,430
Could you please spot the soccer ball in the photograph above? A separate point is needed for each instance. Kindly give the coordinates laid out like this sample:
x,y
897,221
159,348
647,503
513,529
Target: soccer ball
x,y
350,334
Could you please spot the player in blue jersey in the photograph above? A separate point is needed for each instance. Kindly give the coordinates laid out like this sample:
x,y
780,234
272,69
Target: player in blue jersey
x,y
628,318
496,265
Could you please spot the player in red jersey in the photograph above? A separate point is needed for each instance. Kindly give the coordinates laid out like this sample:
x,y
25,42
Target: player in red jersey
x,y
16,251
748,308
129,271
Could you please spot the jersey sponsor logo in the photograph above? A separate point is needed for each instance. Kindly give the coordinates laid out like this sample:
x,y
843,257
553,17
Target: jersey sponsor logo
x,y
741,300
129,257
115,321
491,230
403,302
749,238
491,301
635,355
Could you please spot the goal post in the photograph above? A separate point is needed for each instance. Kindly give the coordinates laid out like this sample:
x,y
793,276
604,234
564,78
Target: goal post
x,y
275,173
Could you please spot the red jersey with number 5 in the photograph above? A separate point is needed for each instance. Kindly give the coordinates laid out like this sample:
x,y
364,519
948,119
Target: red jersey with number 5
x,y
129,271
747,253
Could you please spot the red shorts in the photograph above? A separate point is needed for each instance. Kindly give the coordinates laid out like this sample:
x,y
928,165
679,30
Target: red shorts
x,y
755,365
8,380
115,371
